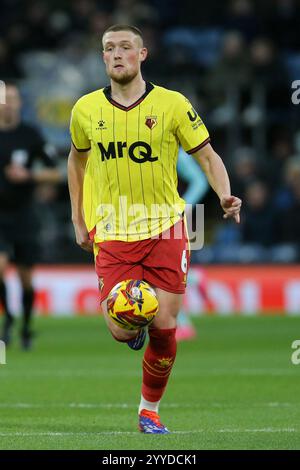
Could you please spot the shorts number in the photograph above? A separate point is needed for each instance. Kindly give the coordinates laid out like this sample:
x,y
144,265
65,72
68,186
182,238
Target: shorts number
x,y
184,261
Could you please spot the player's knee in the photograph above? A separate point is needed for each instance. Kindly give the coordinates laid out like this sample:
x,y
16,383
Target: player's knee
x,y
166,318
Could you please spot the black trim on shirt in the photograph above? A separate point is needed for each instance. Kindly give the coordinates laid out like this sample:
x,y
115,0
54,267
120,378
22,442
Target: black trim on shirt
x,y
205,142
80,150
107,94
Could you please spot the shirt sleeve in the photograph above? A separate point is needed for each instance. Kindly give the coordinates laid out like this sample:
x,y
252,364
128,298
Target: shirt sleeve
x,y
78,136
190,130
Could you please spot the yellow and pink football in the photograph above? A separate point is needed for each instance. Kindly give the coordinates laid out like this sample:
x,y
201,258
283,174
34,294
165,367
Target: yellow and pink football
x,y
132,304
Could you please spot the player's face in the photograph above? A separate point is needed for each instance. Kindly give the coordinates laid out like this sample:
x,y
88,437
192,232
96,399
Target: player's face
x,y
123,53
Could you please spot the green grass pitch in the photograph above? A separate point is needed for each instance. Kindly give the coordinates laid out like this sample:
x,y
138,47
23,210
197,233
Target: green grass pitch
x,y
235,387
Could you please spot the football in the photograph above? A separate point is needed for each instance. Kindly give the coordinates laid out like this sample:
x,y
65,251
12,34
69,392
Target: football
x,y
132,304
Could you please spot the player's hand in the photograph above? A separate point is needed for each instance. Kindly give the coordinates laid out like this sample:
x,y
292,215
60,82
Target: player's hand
x,y
82,237
231,205
17,173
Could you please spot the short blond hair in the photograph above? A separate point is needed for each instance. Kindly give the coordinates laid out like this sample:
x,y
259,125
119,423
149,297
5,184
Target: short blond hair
x,y
124,27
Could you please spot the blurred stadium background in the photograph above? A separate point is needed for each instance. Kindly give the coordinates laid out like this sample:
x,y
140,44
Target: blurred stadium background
x,y
236,61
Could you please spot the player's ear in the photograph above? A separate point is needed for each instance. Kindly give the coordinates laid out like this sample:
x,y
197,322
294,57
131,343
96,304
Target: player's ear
x,y
143,53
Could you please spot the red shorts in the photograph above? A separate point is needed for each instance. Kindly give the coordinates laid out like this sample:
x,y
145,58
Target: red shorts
x,y
162,262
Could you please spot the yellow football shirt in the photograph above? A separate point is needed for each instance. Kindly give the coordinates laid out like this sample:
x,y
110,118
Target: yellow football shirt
x,y
130,184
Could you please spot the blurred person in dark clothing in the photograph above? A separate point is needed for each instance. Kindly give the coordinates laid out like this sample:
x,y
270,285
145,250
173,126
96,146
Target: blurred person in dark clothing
x,y
192,13
245,169
231,71
259,225
134,11
268,72
290,227
282,23
281,150
81,11
286,193
8,65
287,200
21,149
242,16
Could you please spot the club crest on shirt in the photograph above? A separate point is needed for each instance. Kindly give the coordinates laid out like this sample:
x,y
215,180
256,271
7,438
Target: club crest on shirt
x,y
151,121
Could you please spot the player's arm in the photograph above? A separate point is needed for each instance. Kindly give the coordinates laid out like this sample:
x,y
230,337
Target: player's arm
x,y
217,176
46,169
194,138
46,175
20,174
76,168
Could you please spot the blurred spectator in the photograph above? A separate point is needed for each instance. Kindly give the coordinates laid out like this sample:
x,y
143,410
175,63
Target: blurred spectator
x,y
245,170
134,12
290,226
288,203
169,12
269,79
77,57
231,71
98,23
259,221
241,16
156,68
55,80
281,149
191,13
235,60
37,24
282,22
80,12
287,192
9,69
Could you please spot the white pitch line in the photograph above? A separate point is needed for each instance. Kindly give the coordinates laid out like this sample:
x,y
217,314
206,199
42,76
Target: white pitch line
x,y
67,405
103,372
255,430
134,433
103,433
203,406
